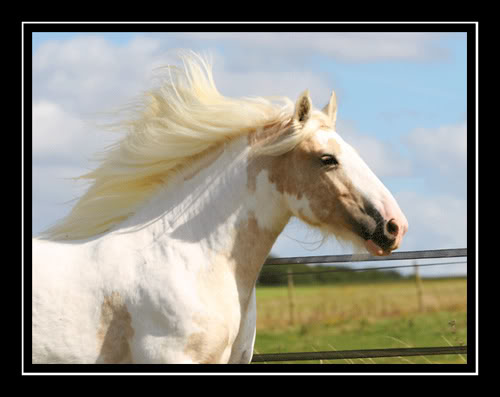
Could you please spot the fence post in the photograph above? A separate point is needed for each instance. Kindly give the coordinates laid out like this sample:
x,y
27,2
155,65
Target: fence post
x,y
291,299
418,283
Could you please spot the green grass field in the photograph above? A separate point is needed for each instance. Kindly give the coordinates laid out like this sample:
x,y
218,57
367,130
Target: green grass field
x,y
364,316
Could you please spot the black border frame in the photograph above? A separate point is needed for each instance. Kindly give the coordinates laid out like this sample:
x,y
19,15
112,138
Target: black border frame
x,y
471,28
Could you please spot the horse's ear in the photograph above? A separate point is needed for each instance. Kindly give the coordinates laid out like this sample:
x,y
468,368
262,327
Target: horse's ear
x,y
303,108
331,109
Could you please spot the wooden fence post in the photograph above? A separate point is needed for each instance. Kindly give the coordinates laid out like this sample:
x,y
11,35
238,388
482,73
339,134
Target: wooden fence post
x,y
291,298
418,283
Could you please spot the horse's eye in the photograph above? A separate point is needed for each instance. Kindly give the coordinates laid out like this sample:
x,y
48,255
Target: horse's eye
x,y
328,160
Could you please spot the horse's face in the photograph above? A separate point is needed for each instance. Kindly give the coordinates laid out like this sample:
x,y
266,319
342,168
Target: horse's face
x,y
329,186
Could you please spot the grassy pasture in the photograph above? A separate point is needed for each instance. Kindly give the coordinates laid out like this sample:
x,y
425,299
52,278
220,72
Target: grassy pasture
x,y
364,316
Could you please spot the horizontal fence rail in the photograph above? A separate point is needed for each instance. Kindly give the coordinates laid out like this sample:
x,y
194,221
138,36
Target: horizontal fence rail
x,y
364,269
310,260
352,354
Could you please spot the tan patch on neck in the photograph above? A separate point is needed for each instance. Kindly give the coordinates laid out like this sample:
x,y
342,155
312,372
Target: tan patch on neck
x,y
251,247
115,331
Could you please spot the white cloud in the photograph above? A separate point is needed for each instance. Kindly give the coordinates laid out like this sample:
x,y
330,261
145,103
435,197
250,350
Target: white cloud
x,y
449,139
353,46
379,46
62,147
55,132
53,193
262,83
89,74
60,137
445,143
435,221
440,154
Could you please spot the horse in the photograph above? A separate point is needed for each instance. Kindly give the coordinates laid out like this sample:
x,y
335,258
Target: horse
x,y
157,261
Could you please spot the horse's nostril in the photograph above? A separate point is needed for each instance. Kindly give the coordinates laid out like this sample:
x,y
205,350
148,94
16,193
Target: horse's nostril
x,y
392,227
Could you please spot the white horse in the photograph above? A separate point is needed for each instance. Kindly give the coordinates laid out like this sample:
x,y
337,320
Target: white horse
x,y
157,262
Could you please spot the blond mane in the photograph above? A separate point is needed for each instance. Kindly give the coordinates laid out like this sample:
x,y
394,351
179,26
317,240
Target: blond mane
x,y
171,124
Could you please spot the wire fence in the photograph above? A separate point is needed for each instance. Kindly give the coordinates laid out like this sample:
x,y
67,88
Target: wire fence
x,y
368,353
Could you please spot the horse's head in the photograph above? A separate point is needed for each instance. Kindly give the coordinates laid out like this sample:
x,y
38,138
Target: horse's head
x,y
326,184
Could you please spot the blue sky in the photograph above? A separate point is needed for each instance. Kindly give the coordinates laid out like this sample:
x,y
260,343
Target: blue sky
x,y
402,104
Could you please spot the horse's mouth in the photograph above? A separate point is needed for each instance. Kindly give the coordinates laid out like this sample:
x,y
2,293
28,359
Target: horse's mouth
x,y
376,250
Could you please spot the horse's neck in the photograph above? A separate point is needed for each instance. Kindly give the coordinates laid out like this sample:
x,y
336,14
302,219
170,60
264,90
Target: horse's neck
x,y
232,215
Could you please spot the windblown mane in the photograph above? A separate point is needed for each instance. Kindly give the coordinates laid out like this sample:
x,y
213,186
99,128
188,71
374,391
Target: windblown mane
x,y
171,124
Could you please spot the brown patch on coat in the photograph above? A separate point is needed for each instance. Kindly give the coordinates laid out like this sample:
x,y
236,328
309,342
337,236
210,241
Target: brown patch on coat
x,y
251,247
255,166
194,348
115,331
209,345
